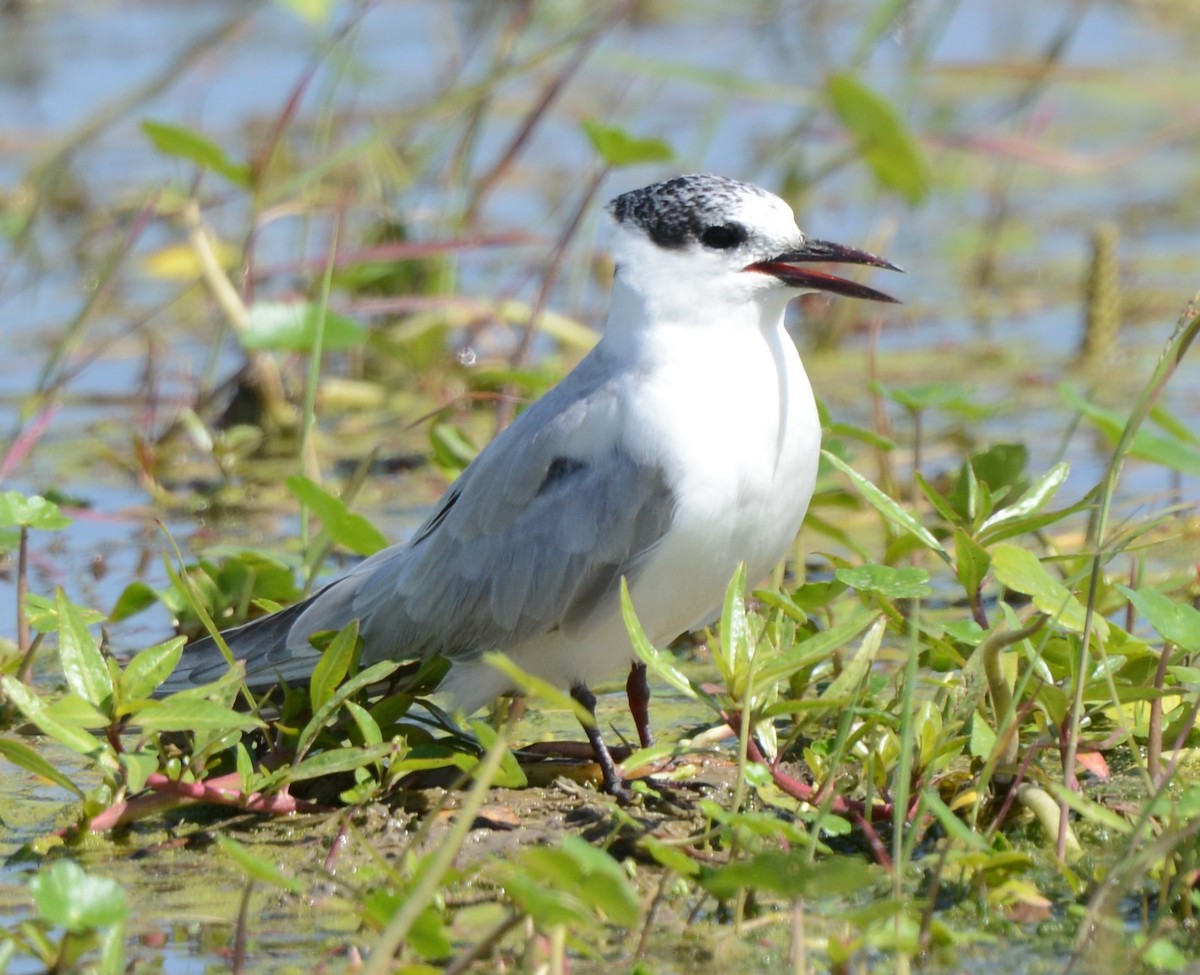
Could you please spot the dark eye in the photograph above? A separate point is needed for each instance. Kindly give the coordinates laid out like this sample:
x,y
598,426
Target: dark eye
x,y
723,237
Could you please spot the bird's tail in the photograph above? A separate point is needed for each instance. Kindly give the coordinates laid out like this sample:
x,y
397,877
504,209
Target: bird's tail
x,y
264,646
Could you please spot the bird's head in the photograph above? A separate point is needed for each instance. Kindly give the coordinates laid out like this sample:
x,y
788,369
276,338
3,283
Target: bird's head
x,y
703,240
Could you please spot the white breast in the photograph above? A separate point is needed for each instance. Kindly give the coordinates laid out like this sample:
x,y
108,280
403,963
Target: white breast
x,y
736,426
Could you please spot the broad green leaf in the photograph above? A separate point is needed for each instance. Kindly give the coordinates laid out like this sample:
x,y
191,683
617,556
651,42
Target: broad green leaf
x,y
735,644
32,707
151,667
659,663
364,678
257,867
367,725
345,527
174,140
134,598
671,857
971,562
509,774
178,713
292,327
78,901
1174,620
333,665
82,662
618,148
336,760
792,873
1033,500
588,874
537,688
940,502
813,650
905,582
451,448
953,397
845,684
887,507
1022,571
30,511
887,147
1171,452
25,757
70,708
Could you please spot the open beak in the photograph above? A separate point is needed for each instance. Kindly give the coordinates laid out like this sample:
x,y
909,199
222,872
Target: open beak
x,y
783,267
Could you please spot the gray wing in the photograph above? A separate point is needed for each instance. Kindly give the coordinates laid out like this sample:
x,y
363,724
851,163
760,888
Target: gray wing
x,y
533,536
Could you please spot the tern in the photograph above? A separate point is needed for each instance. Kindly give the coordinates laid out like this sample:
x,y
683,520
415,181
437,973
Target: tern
x,y
684,444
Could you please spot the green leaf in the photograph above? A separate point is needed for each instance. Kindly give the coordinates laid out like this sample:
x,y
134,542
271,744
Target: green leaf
x,y
1020,570
178,713
82,662
333,665
907,582
791,874
971,562
174,140
735,644
1173,453
1175,621
582,871
1033,500
364,678
292,327
134,598
953,397
344,527
887,507
256,867
333,761
25,757
671,857
151,667
33,511
885,143
78,901
32,707
659,663
536,688
618,148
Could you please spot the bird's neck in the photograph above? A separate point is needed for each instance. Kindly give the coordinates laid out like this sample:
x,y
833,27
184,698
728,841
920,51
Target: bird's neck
x,y
643,328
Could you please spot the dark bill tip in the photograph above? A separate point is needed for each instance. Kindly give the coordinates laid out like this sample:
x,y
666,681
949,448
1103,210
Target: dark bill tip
x,y
783,267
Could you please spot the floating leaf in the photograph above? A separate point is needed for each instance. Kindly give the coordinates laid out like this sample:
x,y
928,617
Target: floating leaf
x,y
292,327
885,143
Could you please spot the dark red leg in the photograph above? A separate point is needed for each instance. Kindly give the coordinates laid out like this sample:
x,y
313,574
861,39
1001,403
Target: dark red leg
x,y
637,690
